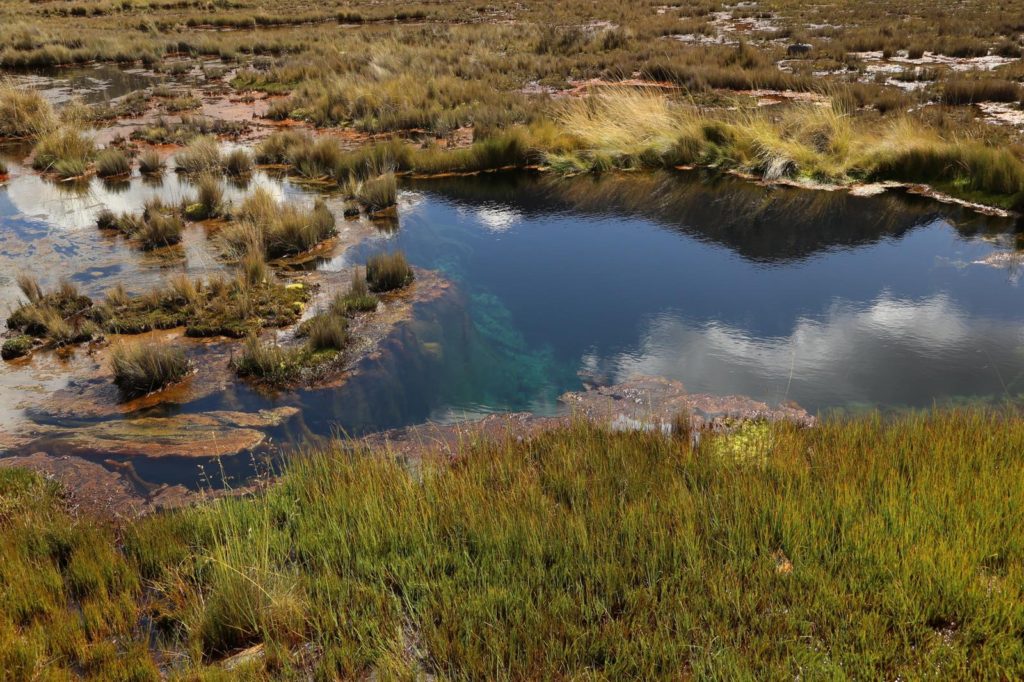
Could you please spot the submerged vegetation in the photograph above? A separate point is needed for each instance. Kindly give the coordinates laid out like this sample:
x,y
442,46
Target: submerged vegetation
x,y
864,548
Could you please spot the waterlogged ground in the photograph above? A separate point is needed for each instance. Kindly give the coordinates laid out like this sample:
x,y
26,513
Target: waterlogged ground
x,y
530,286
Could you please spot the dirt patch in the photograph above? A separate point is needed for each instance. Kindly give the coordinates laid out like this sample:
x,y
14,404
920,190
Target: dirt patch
x,y
1002,113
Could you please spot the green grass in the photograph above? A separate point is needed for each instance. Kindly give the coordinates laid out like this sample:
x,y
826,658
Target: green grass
x,y
357,299
860,549
143,368
69,604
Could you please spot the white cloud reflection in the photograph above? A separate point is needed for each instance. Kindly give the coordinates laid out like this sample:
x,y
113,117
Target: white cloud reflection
x,y
893,350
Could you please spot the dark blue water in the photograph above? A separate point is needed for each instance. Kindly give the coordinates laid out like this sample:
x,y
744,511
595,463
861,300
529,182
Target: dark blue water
x,y
832,301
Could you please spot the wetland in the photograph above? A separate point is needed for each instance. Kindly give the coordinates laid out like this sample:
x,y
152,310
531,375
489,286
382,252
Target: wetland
x,y
404,340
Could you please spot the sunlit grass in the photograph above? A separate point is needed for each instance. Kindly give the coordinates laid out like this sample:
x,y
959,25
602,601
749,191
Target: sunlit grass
x,y
143,368
867,548
24,112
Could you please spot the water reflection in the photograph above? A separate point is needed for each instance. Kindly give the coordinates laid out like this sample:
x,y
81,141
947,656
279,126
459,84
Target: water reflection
x,y
49,227
894,352
765,224
831,300
92,84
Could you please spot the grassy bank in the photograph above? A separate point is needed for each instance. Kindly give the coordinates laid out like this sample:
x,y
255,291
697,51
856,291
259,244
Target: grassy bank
x,y
861,548
819,143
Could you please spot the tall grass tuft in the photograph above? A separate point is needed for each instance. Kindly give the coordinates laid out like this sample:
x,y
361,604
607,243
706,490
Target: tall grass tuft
x,y
24,112
326,331
971,91
357,299
159,229
209,201
202,155
279,229
150,162
112,162
238,163
65,151
143,368
388,271
378,193
267,361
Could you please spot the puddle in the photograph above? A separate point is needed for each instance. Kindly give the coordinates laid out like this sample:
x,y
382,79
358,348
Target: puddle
x,y
93,84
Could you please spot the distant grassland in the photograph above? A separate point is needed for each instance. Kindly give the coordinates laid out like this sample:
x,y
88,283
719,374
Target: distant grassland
x,y
861,549
432,72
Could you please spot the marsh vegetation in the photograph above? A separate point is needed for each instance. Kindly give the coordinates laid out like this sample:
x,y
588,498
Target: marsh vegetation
x,y
619,554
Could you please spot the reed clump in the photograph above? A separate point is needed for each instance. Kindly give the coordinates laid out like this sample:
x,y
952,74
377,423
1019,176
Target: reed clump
x,y
113,162
269,362
202,155
150,162
278,229
156,227
24,112
233,307
238,163
58,316
357,299
65,151
209,201
379,193
141,368
387,272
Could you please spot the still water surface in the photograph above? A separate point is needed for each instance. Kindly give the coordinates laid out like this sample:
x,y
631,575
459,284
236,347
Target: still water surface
x,y
825,299
832,301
